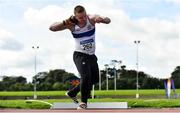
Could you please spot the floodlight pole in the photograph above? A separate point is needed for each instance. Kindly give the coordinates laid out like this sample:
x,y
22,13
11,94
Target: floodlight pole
x,y
35,48
137,42
106,68
114,69
99,80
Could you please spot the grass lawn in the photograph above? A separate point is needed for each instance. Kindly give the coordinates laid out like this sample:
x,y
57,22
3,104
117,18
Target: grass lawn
x,y
154,102
132,103
97,92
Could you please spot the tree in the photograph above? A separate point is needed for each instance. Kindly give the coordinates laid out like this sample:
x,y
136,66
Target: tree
x,y
58,86
13,83
176,76
53,80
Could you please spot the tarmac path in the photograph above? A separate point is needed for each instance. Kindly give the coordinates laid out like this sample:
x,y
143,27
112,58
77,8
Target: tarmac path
x,y
130,110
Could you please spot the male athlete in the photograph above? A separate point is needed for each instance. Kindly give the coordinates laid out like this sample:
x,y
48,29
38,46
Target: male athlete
x,y
82,27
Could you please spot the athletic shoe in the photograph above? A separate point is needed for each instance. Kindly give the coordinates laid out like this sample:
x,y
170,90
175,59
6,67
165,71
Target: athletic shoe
x,y
75,100
82,106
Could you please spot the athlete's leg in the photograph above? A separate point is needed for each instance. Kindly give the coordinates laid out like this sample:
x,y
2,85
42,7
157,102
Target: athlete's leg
x,y
74,91
95,71
84,68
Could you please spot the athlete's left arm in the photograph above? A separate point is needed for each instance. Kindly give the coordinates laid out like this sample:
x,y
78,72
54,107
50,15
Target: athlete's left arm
x,y
100,19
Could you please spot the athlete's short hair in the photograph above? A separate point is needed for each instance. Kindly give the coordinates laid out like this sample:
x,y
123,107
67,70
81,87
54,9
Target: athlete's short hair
x,y
79,9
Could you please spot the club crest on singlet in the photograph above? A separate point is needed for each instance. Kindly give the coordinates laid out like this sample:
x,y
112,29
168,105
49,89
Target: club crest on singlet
x,y
85,38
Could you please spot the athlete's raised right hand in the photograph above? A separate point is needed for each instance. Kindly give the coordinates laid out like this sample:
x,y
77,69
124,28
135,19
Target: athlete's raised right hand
x,y
70,21
65,24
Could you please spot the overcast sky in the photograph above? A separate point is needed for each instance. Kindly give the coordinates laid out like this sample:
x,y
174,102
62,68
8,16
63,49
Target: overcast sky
x,y
25,23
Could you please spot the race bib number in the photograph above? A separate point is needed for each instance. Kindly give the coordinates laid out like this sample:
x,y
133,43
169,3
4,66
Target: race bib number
x,y
87,44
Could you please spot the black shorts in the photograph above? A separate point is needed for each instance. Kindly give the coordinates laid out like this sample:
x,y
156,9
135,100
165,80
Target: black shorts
x,y
87,66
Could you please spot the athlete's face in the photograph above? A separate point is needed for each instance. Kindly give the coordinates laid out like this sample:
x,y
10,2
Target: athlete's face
x,y
81,17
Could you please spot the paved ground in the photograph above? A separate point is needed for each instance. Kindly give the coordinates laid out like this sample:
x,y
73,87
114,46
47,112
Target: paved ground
x,y
166,110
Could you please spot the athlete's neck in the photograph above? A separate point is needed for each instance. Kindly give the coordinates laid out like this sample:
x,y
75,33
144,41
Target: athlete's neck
x,y
82,23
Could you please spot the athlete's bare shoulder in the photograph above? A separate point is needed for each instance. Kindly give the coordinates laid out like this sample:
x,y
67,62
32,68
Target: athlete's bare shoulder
x,y
92,18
